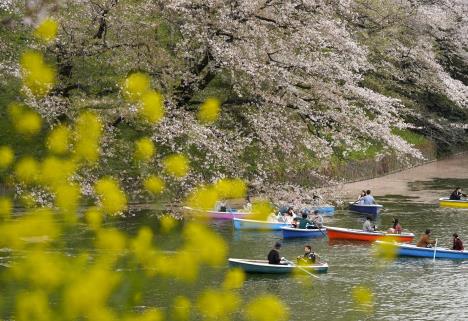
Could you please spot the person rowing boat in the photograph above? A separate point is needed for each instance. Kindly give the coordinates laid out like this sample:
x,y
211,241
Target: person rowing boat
x,y
368,226
308,258
457,194
425,240
457,243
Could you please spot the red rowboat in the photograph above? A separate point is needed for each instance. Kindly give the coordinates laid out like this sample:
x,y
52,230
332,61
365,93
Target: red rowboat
x,y
360,235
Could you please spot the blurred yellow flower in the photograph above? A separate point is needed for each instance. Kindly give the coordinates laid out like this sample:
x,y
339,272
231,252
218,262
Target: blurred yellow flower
x,y
135,85
55,171
218,304
46,30
27,170
5,207
6,156
67,197
230,188
154,184
209,111
181,309
151,107
26,121
167,223
88,134
58,140
33,306
363,297
265,308
144,149
234,279
113,199
177,165
388,250
203,198
261,210
94,218
38,76
205,244
111,239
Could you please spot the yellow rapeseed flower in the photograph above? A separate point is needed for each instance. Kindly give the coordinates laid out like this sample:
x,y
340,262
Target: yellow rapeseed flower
x,y
135,85
387,251
33,306
6,156
209,111
203,198
88,133
234,279
111,239
151,107
27,170
46,30
177,165
113,199
144,149
55,171
5,207
167,223
58,140
265,308
152,314
67,197
230,188
218,304
38,76
181,308
26,121
42,269
154,184
261,210
208,246
93,217
363,297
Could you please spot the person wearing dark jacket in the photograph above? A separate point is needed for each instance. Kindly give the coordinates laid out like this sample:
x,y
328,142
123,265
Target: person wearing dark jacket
x,y
457,243
274,256
457,194
308,258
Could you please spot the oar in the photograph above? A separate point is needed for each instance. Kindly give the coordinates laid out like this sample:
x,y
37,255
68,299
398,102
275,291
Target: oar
x,y
302,269
435,250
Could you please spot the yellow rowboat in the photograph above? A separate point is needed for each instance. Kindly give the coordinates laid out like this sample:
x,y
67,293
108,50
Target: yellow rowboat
x,y
447,202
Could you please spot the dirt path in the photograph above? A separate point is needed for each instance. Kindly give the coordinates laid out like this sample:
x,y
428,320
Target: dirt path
x,y
397,183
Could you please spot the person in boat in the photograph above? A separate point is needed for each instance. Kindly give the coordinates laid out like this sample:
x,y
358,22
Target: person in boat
x,y
457,243
368,226
304,222
457,194
274,256
360,200
396,228
425,240
368,199
308,258
317,219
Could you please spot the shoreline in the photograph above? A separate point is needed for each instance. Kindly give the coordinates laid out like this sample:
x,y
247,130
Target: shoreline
x,y
396,183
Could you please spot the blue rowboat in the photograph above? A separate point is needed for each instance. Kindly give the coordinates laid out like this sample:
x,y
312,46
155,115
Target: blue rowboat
x,y
291,232
262,266
365,209
244,224
414,251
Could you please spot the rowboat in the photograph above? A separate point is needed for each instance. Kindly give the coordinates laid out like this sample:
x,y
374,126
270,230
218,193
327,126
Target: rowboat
x,y
245,224
291,232
414,251
360,235
365,209
262,266
447,202
229,214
